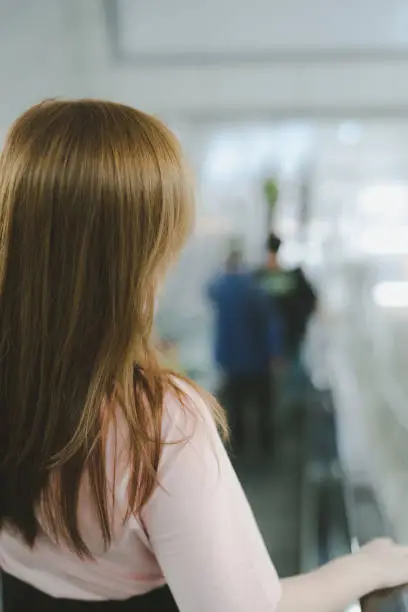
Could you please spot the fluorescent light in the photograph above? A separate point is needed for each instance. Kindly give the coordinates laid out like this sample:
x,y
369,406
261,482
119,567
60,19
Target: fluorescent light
x,y
391,294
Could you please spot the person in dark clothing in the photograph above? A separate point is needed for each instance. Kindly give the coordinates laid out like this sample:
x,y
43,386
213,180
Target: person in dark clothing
x,y
291,293
247,338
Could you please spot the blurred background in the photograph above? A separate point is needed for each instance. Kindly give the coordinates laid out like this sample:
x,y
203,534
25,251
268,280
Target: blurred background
x,y
294,118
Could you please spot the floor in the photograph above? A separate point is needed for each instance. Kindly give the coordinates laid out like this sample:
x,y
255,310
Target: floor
x,y
273,490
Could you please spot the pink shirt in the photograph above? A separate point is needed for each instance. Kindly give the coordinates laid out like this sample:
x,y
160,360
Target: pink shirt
x,y
197,533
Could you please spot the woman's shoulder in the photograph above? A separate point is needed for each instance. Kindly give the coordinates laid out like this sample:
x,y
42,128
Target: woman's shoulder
x,y
188,410
191,426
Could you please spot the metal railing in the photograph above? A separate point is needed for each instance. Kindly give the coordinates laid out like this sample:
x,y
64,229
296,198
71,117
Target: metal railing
x,y
332,510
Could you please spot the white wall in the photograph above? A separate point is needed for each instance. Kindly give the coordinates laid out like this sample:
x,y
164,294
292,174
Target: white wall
x,y
261,26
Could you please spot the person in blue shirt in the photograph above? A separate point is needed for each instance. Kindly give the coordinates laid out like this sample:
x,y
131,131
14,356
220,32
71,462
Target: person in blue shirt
x,y
247,339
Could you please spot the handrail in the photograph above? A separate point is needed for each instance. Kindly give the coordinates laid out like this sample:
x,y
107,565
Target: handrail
x,y
315,478
386,600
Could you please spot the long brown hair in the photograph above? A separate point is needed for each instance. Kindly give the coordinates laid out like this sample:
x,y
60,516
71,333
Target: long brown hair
x,y
95,201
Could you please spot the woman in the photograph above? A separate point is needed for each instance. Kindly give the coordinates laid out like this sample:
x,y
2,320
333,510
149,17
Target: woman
x,y
114,480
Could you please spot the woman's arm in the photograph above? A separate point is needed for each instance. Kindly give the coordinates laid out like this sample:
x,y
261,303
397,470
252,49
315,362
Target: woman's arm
x,y
329,589
203,534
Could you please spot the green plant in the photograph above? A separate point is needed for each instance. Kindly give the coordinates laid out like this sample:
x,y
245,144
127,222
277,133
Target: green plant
x,y
271,192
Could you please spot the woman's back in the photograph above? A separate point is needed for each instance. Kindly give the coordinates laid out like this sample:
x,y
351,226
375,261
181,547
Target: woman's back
x,y
196,532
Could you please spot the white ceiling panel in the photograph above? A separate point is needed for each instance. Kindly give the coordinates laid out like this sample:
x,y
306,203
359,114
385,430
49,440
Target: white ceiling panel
x,y
240,27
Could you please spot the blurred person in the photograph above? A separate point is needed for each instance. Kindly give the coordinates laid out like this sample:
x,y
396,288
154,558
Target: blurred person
x,y
247,338
293,296
116,492
291,292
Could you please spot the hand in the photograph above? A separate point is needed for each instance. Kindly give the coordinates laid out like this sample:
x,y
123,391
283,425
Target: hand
x,y
378,566
386,563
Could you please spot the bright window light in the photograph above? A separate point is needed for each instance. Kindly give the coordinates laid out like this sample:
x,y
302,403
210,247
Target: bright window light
x,y
383,199
383,241
391,294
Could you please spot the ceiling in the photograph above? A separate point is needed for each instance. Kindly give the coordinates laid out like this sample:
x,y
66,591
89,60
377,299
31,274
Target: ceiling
x,y
219,29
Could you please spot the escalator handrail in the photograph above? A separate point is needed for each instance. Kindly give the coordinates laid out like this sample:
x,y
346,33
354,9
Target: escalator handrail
x,y
309,532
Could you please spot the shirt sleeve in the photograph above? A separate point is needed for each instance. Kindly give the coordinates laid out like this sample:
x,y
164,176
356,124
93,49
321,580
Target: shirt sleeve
x,y
199,523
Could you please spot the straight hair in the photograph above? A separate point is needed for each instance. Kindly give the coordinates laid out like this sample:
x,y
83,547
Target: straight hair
x,y
95,203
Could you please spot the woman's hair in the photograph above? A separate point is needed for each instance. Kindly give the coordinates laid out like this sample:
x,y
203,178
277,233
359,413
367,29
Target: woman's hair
x,y
95,202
